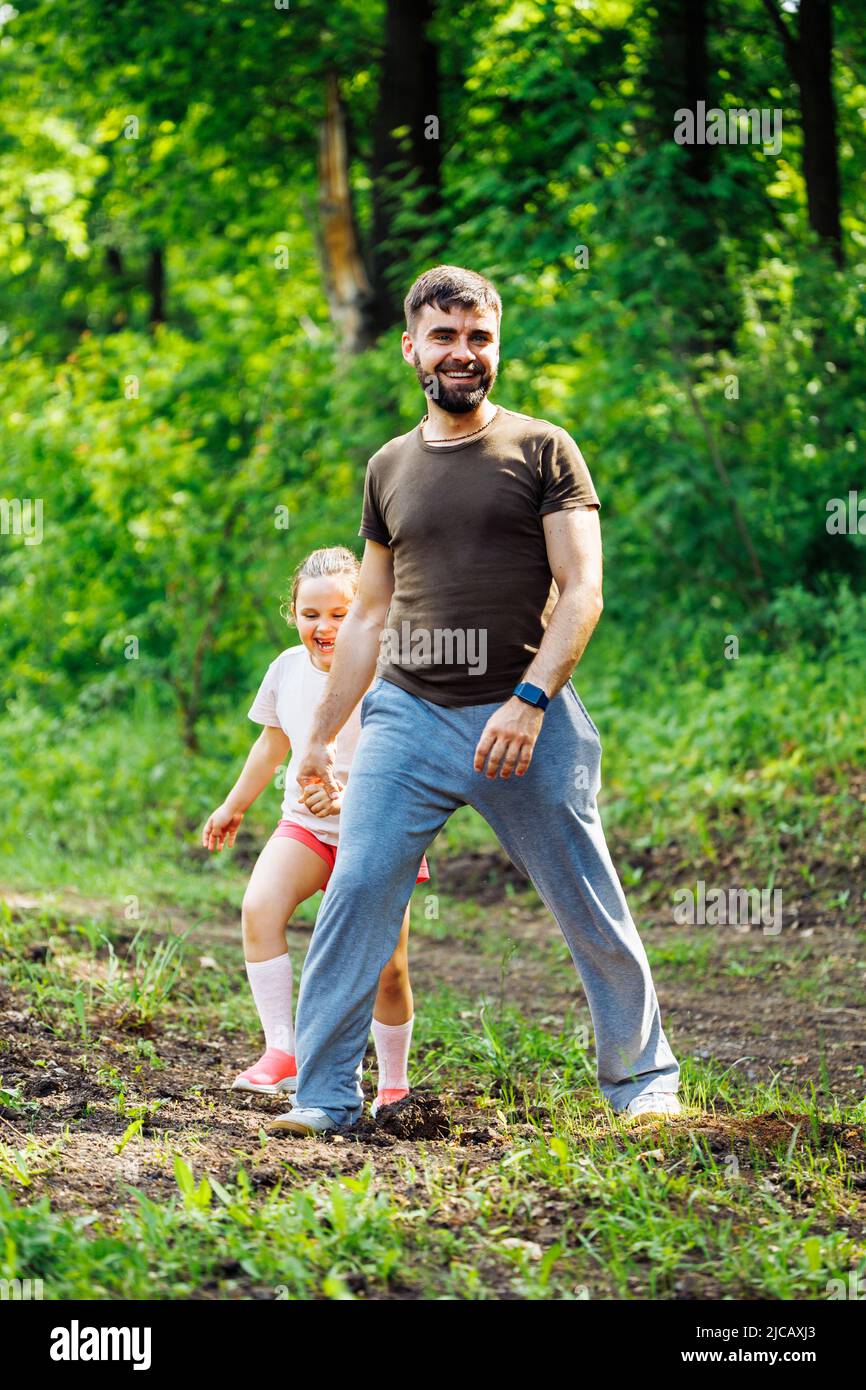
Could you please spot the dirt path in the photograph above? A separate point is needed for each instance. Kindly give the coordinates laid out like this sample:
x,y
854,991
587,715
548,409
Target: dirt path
x,y
789,1008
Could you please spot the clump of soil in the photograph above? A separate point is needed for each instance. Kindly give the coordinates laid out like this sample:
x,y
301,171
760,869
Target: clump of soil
x,y
416,1116
777,1128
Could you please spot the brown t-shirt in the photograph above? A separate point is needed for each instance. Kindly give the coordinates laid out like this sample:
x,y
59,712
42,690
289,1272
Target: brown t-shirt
x,y
473,591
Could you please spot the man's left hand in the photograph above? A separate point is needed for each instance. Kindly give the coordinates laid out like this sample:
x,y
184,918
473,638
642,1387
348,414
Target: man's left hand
x,y
509,737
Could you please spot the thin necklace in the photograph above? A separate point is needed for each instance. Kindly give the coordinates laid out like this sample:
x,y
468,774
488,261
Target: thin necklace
x,y
454,438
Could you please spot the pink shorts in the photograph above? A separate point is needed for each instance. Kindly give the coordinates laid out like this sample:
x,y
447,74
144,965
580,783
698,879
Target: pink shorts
x,y
288,830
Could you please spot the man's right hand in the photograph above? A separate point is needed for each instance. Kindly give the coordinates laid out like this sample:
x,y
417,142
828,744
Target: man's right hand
x,y
318,766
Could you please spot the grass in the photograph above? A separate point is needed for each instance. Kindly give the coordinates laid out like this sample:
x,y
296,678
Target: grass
x,y
138,988
757,1193
24,1163
707,759
286,1244
639,1221
568,1204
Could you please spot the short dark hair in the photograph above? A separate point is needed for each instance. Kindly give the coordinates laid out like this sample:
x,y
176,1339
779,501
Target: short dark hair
x,y
447,285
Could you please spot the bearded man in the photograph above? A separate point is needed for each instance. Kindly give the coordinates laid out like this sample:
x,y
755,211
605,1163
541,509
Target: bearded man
x,y
480,521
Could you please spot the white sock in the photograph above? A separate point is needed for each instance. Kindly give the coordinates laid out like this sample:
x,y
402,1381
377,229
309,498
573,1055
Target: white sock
x,y
271,984
392,1053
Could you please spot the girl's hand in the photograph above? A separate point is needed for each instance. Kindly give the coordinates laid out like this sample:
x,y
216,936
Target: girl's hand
x,y
317,800
222,825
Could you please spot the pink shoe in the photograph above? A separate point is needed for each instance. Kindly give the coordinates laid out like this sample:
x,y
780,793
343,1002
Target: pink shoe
x,y
274,1072
387,1098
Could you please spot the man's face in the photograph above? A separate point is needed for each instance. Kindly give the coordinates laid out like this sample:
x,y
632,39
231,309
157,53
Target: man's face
x,y
455,354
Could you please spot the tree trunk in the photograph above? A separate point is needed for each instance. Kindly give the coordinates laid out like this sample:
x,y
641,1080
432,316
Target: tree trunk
x,y
818,109
408,97
680,76
810,60
346,283
156,286
118,288
695,78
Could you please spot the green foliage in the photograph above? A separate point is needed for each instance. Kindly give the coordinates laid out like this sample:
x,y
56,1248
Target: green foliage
x,y
708,359
175,399
296,1243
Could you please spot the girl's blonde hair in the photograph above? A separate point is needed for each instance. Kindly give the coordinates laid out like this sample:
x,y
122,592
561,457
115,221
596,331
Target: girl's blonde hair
x,y
331,561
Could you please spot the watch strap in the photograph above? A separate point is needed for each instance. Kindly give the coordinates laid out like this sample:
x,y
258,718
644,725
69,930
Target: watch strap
x,y
532,694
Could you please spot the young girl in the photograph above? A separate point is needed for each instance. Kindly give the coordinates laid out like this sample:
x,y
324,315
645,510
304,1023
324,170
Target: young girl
x,y
297,860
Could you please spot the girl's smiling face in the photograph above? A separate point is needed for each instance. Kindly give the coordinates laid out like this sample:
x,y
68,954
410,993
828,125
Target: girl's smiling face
x,y
320,607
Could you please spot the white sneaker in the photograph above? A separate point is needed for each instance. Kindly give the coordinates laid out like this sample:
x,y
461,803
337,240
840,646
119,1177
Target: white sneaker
x,y
303,1122
652,1105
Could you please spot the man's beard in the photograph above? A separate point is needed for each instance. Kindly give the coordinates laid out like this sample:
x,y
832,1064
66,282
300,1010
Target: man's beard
x,y
457,400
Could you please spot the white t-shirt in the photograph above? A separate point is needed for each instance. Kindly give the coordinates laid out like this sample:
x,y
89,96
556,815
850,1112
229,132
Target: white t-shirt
x,y
287,699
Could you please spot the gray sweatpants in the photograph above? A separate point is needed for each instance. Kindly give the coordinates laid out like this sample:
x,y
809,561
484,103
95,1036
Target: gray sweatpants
x,y
411,769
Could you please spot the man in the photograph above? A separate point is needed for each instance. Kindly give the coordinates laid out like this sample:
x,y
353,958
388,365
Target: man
x,y
483,555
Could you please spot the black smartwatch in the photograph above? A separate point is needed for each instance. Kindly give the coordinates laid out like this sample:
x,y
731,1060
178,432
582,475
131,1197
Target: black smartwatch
x,y
532,694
